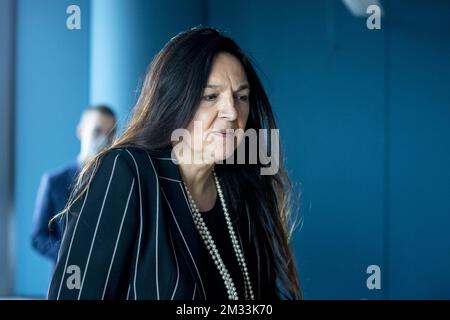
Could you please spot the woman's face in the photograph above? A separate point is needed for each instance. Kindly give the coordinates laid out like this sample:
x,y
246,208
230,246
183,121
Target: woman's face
x,y
224,108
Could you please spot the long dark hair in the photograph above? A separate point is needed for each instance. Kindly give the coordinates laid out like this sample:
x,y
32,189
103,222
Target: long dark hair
x,y
170,94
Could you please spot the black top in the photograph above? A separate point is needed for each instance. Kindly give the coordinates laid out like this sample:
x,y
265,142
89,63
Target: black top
x,y
217,226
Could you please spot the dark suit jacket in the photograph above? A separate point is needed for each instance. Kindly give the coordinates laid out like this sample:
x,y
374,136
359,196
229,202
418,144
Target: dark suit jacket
x,y
52,196
132,236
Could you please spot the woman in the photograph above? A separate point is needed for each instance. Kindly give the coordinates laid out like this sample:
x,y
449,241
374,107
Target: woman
x,y
146,222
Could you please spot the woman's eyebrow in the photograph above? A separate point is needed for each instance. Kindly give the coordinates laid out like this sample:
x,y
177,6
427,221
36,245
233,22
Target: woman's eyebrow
x,y
218,86
243,87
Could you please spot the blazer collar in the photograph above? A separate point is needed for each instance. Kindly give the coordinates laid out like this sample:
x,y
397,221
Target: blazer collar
x,y
167,165
182,226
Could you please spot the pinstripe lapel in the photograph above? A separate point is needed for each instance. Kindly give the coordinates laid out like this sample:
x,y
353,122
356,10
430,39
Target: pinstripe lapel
x,y
183,229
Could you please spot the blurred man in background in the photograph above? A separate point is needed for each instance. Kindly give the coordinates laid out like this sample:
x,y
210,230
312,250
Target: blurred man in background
x,y
96,130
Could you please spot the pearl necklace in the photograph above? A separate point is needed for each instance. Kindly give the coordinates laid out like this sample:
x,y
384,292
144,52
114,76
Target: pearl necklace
x,y
211,246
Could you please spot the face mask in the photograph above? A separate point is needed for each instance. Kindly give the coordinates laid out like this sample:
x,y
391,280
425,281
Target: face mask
x,y
97,144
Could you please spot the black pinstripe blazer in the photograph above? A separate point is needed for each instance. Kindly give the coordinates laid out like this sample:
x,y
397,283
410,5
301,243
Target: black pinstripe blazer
x,y
131,236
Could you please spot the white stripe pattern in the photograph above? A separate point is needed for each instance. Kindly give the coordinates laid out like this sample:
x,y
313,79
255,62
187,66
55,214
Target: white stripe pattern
x,y
140,225
70,245
128,292
118,237
195,289
96,226
184,240
119,233
170,179
156,227
178,268
187,203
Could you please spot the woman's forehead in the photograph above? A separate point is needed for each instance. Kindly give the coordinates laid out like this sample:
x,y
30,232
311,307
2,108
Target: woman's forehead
x,y
226,69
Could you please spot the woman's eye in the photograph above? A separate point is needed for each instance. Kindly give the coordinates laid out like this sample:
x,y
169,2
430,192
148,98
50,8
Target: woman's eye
x,y
243,98
209,97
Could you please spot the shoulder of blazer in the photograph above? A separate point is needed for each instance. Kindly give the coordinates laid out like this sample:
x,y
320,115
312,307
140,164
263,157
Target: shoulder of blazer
x,y
134,159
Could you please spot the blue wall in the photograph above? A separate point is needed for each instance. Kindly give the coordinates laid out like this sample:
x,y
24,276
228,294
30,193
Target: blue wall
x,y
419,150
52,88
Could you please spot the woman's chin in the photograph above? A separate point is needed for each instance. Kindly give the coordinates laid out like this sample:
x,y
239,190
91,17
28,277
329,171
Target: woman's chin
x,y
222,155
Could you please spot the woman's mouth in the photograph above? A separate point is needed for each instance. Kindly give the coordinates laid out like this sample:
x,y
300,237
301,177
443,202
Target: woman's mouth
x,y
227,133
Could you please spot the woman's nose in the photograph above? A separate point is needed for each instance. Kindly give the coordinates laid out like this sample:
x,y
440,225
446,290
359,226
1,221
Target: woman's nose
x,y
228,109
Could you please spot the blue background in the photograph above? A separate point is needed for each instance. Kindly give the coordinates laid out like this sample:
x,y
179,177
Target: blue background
x,y
364,116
